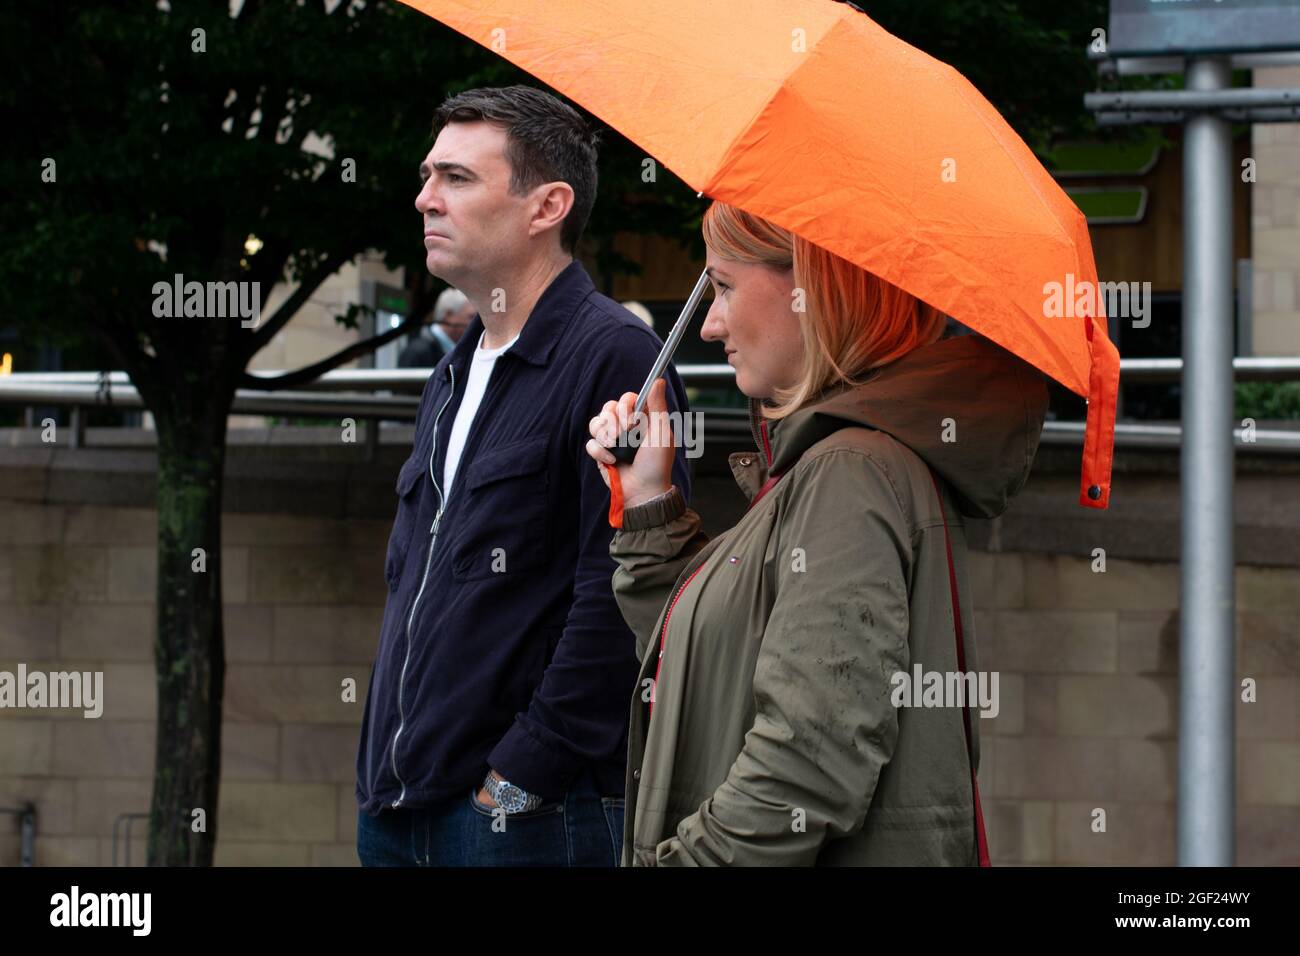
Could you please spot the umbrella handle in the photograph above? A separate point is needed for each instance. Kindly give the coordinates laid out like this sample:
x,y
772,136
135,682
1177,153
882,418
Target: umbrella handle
x,y
625,451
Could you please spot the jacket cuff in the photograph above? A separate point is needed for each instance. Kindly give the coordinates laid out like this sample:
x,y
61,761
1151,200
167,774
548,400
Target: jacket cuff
x,y
659,510
529,763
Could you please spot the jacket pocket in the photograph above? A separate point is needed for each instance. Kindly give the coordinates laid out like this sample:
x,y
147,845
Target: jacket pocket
x,y
505,525
408,505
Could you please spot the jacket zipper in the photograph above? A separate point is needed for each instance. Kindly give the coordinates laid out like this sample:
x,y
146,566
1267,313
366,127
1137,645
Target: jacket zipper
x,y
766,448
663,634
401,683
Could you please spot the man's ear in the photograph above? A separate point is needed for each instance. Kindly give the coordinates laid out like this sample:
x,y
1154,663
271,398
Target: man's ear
x,y
554,200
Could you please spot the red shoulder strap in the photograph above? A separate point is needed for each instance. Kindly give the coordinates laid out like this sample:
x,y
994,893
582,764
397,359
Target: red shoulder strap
x,y
980,840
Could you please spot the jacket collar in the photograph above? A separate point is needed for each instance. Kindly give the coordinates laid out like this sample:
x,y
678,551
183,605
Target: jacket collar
x,y
546,323
969,408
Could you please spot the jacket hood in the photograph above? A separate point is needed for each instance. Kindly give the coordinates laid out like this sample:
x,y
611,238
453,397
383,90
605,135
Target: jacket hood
x,y
995,400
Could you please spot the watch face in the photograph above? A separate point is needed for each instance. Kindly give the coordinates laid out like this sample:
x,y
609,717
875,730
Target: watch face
x,y
510,797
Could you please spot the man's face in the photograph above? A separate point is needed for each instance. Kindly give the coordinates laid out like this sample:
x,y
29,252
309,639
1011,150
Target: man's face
x,y
473,227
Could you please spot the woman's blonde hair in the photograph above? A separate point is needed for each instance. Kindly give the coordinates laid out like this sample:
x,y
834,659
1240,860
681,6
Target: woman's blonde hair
x,y
853,320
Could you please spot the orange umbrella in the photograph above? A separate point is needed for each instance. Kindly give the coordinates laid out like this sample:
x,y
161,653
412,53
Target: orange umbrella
x,y
810,115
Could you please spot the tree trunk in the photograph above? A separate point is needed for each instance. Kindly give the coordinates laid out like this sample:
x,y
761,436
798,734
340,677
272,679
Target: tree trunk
x,y
189,648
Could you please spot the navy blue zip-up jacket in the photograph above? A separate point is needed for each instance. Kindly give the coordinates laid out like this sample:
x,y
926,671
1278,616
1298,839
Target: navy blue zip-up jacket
x,y
501,644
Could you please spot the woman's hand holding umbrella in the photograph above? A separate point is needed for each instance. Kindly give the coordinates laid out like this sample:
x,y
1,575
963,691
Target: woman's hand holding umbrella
x,y
650,472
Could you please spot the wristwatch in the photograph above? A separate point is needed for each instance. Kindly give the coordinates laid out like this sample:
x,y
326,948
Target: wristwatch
x,y
510,798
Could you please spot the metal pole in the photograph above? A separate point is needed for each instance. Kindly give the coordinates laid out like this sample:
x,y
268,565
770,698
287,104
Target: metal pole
x,y
1207,659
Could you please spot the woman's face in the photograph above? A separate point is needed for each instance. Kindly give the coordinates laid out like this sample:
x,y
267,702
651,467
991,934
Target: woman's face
x,y
753,316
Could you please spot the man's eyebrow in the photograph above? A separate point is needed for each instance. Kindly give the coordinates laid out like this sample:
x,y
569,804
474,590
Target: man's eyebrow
x,y
445,167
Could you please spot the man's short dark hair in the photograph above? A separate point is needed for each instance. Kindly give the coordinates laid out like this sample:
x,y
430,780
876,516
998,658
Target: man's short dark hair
x,y
546,141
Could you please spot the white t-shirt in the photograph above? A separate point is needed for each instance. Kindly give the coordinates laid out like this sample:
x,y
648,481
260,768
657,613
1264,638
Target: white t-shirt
x,y
480,370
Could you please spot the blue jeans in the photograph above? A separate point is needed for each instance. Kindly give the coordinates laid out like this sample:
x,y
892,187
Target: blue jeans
x,y
582,829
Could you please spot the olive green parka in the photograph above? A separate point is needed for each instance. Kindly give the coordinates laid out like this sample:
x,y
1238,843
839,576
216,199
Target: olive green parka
x,y
774,737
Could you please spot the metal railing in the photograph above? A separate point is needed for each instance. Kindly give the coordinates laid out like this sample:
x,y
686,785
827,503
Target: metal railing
x,y
359,394
1142,107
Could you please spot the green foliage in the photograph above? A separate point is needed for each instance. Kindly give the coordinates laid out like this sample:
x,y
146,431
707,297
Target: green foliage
x,y
159,146
1029,59
1261,400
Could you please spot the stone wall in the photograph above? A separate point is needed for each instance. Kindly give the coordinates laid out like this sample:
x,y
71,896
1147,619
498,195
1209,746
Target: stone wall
x,y
1087,660
1088,667
303,602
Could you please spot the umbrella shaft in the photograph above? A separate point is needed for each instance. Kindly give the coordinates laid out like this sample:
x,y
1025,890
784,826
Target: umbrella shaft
x,y
671,343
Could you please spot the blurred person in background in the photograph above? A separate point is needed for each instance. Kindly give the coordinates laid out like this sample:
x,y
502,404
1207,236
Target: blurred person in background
x,y
640,311
436,338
